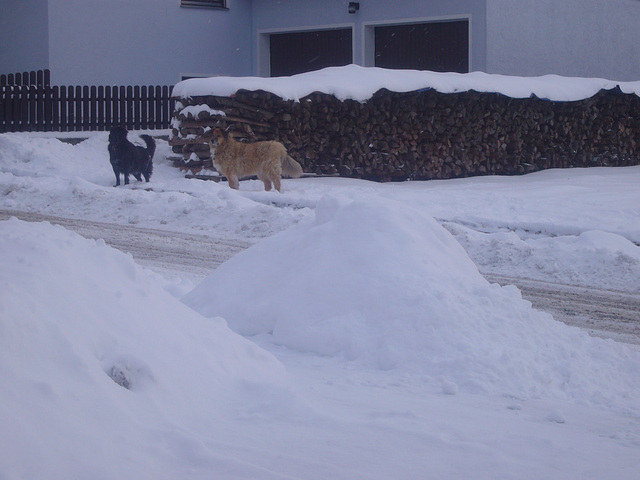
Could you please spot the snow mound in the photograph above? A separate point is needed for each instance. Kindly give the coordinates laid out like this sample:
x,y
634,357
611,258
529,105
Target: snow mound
x,y
382,284
360,83
99,363
594,257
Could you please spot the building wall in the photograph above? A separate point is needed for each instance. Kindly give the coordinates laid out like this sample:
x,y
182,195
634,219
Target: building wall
x,y
146,41
270,16
585,38
23,36
157,41
89,42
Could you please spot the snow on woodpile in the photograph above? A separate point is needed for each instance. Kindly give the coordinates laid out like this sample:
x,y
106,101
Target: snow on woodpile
x,y
353,82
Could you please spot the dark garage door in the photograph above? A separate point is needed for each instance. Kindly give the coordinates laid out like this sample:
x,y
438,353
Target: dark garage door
x,y
299,52
437,46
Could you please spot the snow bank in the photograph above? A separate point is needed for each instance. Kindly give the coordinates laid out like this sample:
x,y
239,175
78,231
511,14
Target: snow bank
x,y
593,258
360,83
100,366
384,285
48,176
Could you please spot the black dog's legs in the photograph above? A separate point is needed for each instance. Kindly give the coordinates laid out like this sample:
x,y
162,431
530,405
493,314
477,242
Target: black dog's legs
x,y
138,177
117,174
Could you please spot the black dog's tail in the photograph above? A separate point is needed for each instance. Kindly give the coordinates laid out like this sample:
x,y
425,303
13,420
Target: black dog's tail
x,y
151,149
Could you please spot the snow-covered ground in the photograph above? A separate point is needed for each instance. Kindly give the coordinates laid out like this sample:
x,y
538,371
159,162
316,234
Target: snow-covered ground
x,y
356,338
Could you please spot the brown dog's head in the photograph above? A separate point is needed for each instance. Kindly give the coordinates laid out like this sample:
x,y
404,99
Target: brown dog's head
x,y
218,135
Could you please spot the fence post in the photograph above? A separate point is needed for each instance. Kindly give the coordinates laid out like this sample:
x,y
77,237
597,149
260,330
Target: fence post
x,y
115,113
77,106
31,118
123,107
144,108
50,105
158,109
129,108
152,107
101,107
13,109
40,105
5,93
136,108
85,109
166,110
4,104
63,108
70,109
93,102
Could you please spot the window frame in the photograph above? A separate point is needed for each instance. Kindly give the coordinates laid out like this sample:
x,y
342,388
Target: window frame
x,y
213,4
368,39
263,62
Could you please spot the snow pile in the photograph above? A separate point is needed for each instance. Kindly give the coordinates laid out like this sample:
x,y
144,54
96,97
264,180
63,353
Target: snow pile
x,y
384,285
100,365
592,258
360,83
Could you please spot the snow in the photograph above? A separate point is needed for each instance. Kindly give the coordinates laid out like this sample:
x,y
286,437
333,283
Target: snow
x,y
383,285
97,359
355,339
358,83
196,111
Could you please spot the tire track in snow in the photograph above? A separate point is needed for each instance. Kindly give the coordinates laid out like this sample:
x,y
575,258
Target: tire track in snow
x,y
160,250
604,313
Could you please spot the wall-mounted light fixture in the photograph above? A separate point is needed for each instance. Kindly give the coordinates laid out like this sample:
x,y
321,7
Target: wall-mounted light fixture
x,y
354,7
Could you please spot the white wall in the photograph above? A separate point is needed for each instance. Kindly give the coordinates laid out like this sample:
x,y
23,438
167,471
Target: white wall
x,y
155,41
24,38
145,42
586,38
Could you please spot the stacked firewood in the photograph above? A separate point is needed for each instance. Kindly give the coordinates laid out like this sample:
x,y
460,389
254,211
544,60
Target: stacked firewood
x,y
419,135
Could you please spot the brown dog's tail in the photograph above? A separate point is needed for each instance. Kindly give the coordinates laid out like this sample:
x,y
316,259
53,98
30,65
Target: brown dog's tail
x,y
290,167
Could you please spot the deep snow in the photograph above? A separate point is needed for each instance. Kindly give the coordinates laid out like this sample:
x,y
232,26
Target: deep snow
x,y
371,346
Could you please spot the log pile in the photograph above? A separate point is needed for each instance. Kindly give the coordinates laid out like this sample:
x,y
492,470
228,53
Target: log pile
x,y
419,135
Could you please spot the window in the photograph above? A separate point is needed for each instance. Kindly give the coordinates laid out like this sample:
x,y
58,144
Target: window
x,y
298,52
204,3
439,46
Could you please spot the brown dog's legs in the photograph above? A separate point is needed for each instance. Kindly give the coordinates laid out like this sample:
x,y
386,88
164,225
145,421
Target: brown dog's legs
x,y
265,179
233,182
276,183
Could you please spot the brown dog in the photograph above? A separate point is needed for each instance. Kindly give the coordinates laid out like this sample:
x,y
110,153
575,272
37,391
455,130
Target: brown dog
x,y
268,160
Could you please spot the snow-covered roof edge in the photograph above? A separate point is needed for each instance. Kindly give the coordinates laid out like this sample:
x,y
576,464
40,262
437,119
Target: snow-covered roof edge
x,y
360,83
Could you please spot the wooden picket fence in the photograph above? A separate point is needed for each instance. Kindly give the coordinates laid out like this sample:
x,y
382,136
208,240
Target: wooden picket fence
x,y
28,103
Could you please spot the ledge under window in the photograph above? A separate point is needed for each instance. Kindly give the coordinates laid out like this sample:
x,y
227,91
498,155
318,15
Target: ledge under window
x,y
204,3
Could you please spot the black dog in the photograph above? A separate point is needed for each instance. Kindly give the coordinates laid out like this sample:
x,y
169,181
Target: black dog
x,y
127,158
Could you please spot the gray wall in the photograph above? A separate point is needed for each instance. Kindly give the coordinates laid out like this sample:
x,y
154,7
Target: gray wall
x,y
23,36
270,16
156,41
89,42
145,41
585,38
